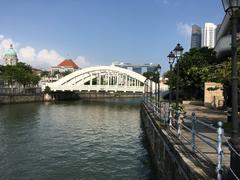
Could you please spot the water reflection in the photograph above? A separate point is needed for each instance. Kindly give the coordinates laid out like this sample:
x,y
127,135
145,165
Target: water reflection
x,y
99,139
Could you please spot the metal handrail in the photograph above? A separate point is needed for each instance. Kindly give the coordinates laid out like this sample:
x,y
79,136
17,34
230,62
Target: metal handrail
x,y
178,119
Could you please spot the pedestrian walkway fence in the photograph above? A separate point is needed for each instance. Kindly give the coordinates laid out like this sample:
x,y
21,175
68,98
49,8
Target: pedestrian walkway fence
x,y
195,134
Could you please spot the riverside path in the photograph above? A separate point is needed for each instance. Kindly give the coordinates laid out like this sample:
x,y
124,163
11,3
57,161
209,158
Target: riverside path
x,y
186,145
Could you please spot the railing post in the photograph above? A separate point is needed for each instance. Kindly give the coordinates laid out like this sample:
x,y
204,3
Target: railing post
x,y
160,109
170,115
178,124
193,131
220,132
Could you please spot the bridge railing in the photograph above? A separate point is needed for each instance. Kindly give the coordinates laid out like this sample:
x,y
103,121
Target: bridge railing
x,y
194,133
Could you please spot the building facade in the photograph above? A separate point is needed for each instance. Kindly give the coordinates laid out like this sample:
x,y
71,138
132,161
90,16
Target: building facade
x,y
66,65
10,56
196,36
209,35
224,38
138,68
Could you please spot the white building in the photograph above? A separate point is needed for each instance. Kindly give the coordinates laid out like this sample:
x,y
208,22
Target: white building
x,y
10,56
66,65
209,35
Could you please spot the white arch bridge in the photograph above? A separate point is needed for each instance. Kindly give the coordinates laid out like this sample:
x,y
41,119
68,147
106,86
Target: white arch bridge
x,y
101,78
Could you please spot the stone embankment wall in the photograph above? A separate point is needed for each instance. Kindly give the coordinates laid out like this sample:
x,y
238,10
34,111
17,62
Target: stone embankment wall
x,y
11,99
67,95
93,95
166,159
58,96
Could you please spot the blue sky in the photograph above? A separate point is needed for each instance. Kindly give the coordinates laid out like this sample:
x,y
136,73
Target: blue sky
x,y
99,32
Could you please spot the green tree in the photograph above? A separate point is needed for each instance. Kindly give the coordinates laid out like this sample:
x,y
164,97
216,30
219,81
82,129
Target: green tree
x,y
194,71
65,73
154,76
45,74
8,74
35,79
21,73
47,90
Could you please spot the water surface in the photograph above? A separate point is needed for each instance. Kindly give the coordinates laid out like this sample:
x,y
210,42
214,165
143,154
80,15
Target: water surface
x,y
73,140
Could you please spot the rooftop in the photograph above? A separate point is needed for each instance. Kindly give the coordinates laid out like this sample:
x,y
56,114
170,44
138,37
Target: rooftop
x,y
68,63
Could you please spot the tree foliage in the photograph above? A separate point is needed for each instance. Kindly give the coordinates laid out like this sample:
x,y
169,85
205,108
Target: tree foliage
x,y
21,73
197,67
154,76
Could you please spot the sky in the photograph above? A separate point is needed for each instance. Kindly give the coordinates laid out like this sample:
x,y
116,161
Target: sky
x,y
100,32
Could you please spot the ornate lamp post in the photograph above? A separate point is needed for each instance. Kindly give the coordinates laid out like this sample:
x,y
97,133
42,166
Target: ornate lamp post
x,y
178,50
158,71
232,8
171,58
151,88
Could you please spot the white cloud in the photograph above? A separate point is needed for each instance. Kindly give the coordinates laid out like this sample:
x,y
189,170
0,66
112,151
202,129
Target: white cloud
x,y
82,62
50,56
44,58
1,37
5,44
27,53
184,29
40,59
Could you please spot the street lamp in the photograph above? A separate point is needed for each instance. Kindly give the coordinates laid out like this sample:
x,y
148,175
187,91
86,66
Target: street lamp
x,y
171,58
158,70
151,88
178,50
232,8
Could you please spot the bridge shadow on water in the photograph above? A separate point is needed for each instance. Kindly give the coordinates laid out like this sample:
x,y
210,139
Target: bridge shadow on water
x,y
111,102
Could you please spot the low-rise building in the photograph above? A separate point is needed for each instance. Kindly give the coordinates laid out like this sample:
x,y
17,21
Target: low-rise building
x,y
67,65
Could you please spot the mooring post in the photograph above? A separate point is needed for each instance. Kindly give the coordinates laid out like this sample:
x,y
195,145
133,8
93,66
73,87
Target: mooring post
x,y
170,115
220,132
178,124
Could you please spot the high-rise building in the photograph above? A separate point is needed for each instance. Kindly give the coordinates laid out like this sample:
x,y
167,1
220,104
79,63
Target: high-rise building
x,y
196,36
209,35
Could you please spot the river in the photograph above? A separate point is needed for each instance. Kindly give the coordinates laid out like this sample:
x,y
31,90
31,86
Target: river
x,y
98,139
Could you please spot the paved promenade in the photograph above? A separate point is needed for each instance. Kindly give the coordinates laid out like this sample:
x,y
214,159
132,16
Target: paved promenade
x,y
203,161
205,113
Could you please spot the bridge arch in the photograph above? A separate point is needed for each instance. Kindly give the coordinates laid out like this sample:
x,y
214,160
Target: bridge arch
x,y
100,78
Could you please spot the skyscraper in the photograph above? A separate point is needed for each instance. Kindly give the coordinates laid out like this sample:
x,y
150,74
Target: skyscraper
x,y
196,36
209,35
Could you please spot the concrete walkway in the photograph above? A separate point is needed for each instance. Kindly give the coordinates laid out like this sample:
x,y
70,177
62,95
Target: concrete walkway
x,y
205,114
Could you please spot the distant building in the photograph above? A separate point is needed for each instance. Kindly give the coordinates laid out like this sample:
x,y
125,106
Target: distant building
x,y
37,72
138,68
10,56
209,35
196,36
67,65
